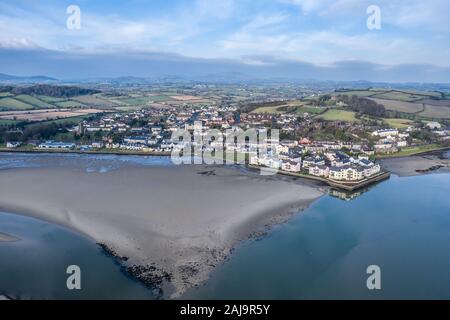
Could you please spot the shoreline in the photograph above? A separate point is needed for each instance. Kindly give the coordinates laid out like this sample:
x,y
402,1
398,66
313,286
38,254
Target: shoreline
x,y
182,238
426,163
118,153
7,237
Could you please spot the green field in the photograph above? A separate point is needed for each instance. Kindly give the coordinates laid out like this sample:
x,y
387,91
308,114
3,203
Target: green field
x,y
35,102
136,101
97,100
398,123
311,110
436,112
396,95
268,109
13,104
338,115
359,93
70,104
7,122
400,106
49,99
400,96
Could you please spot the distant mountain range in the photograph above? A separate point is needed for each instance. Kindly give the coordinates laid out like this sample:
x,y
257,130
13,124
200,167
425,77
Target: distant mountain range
x,y
22,79
237,78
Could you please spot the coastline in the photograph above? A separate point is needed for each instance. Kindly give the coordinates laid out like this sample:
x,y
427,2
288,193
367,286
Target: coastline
x,y
96,152
164,225
424,163
7,238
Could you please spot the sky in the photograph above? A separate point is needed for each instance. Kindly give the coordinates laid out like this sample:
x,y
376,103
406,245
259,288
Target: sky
x,y
323,39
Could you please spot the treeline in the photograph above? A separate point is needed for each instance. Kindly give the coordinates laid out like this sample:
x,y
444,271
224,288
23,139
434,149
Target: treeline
x,y
362,105
49,90
33,132
255,105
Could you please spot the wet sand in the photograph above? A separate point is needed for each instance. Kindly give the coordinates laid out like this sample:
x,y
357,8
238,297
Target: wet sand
x,y
165,224
418,165
7,238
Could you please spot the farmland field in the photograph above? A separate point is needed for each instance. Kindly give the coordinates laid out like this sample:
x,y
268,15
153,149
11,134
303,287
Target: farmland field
x,y
436,112
50,99
268,109
45,114
401,106
338,115
183,98
160,98
35,102
137,100
311,110
13,104
399,96
359,93
7,122
70,104
441,103
97,100
398,123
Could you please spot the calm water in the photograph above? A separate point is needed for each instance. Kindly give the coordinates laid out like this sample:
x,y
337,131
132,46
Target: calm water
x,y
35,267
401,225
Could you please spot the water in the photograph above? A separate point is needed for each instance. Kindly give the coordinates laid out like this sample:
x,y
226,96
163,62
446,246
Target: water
x,y
100,163
401,225
35,267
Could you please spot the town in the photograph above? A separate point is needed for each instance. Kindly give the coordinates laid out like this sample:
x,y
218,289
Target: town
x,y
335,136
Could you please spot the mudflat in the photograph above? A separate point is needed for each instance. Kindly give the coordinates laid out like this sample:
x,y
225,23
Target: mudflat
x,y
168,225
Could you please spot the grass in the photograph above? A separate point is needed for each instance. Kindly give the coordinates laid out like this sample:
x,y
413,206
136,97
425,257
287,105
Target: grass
x,y
160,98
50,99
359,93
400,106
13,104
339,115
72,120
143,100
137,101
70,104
312,110
8,122
436,112
398,123
97,100
268,109
35,102
400,96
397,95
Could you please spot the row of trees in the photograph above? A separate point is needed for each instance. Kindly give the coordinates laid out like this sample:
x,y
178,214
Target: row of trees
x,y
363,105
49,90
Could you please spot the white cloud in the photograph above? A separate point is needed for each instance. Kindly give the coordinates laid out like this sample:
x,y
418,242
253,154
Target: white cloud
x,y
18,43
325,47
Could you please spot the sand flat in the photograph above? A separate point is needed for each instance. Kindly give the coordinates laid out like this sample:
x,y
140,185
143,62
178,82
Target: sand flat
x,y
416,165
175,221
7,238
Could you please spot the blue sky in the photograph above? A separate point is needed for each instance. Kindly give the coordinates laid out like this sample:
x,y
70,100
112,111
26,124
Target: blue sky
x,y
323,33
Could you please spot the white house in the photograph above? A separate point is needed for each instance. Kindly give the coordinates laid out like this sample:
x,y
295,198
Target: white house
x,y
385,133
13,144
319,171
290,166
347,173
